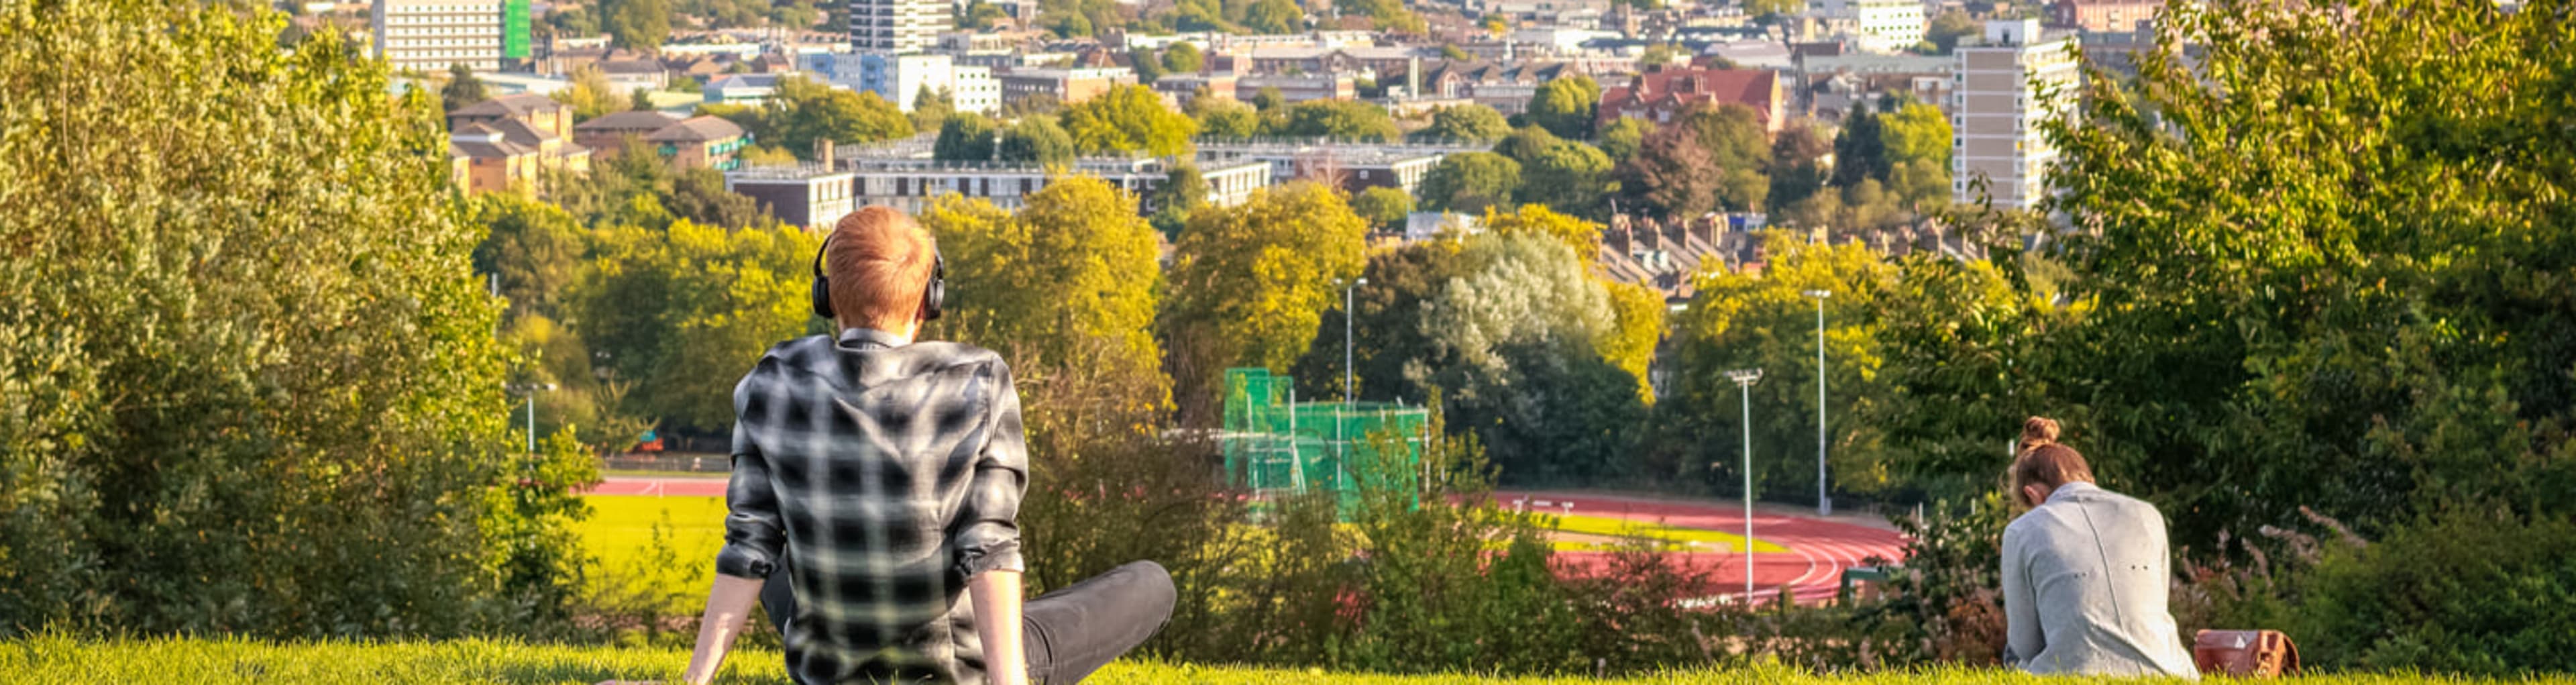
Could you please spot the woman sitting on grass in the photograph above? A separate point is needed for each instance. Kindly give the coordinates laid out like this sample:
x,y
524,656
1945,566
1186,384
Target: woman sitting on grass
x,y
2084,571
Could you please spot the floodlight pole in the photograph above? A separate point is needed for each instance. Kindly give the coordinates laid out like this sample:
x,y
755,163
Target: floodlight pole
x,y
1824,499
531,389
1347,319
1744,379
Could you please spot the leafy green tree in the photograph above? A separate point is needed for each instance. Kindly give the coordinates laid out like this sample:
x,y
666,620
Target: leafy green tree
x,y
1251,281
1917,141
1770,8
1184,192
573,21
590,94
1513,339
1660,54
533,250
965,136
1148,66
1452,53
1035,139
636,24
1564,174
1225,118
1268,99
1383,207
803,111
1183,58
1470,182
462,88
1740,320
931,107
1566,106
1798,168
1069,281
1343,119
681,313
1671,172
1471,122
1128,119
1860,149
1274,16
209,342
1947,28
1623,138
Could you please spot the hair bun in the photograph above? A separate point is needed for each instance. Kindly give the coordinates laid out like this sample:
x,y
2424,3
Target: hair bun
x,y
2038,430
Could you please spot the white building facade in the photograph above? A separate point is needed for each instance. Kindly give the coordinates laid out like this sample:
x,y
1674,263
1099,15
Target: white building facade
x,y
2007,85
1888,25
900,79
430,35
896,26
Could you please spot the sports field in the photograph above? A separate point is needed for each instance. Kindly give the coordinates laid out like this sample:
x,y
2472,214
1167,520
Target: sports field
x,y
1805,555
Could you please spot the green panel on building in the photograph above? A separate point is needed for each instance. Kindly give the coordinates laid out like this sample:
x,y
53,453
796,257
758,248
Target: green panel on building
x,y
514,29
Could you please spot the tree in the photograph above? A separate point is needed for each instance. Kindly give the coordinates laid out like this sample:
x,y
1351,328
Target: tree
x,y
1917,140
1451,53
931,107
965,136
1469,182
573,21
1564,174
177,396
1225,118
590,95
1251,281
1274,16
462,88
681,312
1513,339
1342,119
1660,54
1128,119
1773,8
1624,137
639,99
1946,30
1468,122
1068,282
1184,192
1183,58
1268,99
1741,320
1671,172
1798,165
804,111
1860,150
1037,140
636,24
1384,208
1566,106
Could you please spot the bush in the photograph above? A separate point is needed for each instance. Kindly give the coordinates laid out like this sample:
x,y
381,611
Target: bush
x,y
2467,591
251,382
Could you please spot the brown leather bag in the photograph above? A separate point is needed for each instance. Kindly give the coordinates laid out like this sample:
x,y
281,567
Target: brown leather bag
x,y
2245,653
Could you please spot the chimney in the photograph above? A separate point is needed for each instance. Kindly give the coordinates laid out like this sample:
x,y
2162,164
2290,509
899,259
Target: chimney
x,y
823,153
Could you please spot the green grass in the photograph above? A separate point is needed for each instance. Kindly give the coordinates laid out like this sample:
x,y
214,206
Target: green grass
x,y
1619,527
620,528
63,660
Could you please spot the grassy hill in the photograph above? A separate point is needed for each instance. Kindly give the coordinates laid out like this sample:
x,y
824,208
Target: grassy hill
x,y
62,660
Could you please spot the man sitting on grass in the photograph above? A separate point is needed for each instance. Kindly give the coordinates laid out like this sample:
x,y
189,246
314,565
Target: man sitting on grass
x,y
2085,571
876,486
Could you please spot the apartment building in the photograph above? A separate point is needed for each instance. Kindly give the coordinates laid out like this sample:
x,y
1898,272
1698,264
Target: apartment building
x,y
1066,85
431,35
1887,25
2103,15
2010,80
900,79
912,184
812,195
896,26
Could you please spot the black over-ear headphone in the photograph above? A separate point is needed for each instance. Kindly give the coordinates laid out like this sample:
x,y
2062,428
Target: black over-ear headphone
x,y
932,296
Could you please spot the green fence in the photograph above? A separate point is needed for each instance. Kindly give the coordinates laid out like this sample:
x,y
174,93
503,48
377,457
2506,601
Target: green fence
x,y
1275,445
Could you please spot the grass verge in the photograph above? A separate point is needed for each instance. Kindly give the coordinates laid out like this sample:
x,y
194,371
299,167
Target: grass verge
x,y
217,661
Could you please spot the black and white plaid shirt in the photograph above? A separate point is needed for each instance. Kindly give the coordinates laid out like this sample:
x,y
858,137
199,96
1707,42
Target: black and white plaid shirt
x,y
883,476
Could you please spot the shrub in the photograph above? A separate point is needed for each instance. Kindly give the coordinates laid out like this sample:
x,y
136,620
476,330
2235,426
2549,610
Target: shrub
x,y
2467,591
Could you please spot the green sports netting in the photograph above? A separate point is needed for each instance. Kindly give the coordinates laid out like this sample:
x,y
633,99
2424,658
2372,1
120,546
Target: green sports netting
x,y
1274,445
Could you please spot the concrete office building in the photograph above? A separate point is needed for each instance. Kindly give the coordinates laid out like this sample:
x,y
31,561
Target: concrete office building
x,y
2009,81
1888,25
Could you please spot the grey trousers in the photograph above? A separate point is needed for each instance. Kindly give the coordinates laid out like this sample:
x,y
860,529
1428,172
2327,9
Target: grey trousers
x,y
1067,633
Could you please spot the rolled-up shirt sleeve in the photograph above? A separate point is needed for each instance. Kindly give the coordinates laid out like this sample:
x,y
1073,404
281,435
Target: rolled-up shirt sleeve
x,y
986,533
754,534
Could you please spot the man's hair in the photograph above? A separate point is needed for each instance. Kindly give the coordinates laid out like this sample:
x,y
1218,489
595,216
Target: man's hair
x,y
2043,461
878,260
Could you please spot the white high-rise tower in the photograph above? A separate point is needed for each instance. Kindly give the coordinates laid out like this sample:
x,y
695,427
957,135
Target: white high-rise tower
x,y
2008,83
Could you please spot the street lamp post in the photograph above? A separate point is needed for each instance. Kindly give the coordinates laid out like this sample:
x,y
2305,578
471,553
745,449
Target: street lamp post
x,y
1824,499
531,389
1347,320
1744,379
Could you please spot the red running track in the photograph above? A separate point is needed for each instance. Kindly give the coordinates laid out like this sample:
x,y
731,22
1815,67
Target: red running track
x,y
1812,569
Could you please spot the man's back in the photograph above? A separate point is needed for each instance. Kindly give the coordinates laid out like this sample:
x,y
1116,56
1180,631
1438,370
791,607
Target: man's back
x,y
2085,578
882,476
